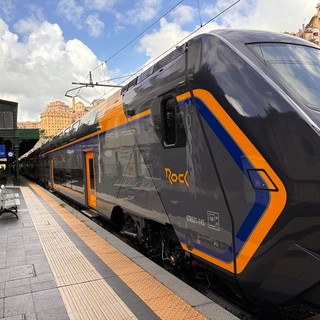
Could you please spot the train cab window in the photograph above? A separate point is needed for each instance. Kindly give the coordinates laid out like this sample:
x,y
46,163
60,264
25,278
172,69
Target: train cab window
x,y
296,66
173,132
73,130
66,131
75,125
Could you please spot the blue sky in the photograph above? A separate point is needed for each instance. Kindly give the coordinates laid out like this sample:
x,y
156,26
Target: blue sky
x,y
45,45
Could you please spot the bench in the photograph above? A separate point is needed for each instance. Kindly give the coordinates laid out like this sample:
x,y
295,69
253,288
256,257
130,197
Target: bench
x,y
9,195
9,202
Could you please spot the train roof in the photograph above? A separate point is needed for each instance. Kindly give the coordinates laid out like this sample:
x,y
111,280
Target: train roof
x,y
238,37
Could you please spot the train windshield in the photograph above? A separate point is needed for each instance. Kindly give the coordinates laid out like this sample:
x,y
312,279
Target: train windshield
x,y
298,67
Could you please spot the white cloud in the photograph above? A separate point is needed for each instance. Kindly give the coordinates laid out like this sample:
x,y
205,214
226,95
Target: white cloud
x,y
182,14
95,25
26,26
143,11
100,4
118,29
41,68
36,12
159,41
225,7
271,15
7,8
78,15
71,10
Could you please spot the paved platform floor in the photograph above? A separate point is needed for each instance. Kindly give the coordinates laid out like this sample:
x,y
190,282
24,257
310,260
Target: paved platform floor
x,y
57,264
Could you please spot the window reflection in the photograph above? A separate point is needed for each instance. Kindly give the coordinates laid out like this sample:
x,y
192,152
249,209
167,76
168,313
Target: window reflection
x,y
298,67
6,120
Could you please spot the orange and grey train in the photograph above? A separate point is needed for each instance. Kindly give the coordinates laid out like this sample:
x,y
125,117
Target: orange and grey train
x,y
210,157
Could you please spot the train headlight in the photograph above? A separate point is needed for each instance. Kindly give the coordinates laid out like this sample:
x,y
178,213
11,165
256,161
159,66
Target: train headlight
x,y
260,180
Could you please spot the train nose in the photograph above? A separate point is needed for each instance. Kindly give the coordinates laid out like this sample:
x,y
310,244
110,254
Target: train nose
x,y
297,273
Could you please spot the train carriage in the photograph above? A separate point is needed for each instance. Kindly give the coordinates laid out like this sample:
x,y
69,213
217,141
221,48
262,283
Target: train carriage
x,y
210,156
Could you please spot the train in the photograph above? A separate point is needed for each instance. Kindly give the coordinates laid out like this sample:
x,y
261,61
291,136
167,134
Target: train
x,y
208,158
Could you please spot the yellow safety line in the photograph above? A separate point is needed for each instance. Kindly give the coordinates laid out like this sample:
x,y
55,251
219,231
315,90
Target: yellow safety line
x,y
165,303
85,293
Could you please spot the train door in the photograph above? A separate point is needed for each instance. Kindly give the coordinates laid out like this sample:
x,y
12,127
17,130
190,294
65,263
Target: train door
x,y
179,158
90,180
201,218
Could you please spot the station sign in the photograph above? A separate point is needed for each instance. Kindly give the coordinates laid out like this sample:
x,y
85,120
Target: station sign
x,y
3,151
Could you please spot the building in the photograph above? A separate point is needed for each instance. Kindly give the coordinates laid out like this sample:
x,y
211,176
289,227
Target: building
x,y
58,116
311,31
29,125
77,110
55,118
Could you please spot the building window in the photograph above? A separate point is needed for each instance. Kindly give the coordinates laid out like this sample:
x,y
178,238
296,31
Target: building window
x,y
6,120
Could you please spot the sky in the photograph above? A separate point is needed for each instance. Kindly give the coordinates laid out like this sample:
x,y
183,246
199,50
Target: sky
x,y
46,45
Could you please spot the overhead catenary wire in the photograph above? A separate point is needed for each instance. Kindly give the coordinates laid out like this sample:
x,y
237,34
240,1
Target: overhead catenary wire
x,y
201,25
120,77
162,54
190,34
183,39
132,40
144,31
200,20
89,75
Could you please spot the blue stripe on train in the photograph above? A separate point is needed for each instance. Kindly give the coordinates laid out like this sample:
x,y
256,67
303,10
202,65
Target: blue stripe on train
x,y
262,197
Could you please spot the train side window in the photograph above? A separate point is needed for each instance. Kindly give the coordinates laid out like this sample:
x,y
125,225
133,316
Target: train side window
x,y
75,126
173,132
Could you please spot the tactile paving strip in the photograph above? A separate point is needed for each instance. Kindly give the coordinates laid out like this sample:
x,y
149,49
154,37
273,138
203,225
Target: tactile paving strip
x,y
159,298
85,294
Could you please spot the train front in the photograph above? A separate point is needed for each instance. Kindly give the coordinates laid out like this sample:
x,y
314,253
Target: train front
x,y
294,241
269,86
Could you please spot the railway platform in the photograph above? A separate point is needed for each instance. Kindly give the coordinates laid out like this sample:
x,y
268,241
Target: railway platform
x,y
56,263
